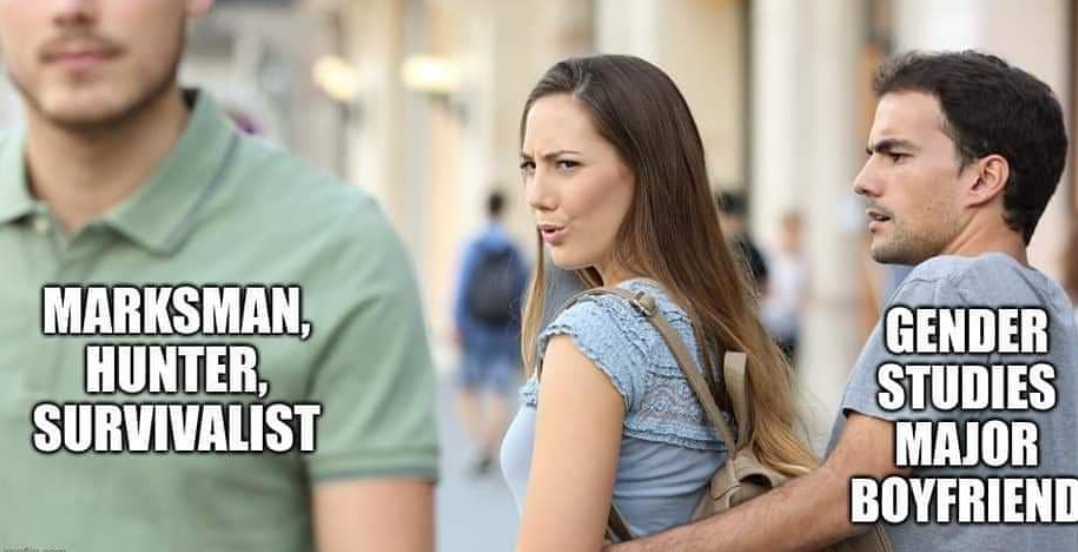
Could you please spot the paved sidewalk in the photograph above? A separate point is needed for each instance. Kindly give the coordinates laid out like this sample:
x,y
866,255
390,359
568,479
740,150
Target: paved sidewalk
x,y
474,514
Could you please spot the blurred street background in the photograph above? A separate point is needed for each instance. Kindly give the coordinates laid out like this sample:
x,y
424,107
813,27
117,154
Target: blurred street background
x,y
418,102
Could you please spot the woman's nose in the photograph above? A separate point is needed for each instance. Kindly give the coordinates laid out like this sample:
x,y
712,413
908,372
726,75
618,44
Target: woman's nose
x,y
538,192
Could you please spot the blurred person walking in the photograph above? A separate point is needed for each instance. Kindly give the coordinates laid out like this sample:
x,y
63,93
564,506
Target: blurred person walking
x,y
732,211
121,176
486,310
784,304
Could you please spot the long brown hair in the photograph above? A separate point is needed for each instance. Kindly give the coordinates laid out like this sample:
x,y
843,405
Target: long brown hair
x,y
672,235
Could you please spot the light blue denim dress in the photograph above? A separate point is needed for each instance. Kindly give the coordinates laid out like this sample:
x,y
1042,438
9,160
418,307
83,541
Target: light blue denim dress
x,y
668,449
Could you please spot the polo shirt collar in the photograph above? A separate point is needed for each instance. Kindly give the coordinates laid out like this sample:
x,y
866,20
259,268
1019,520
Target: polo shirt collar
x,y
160,215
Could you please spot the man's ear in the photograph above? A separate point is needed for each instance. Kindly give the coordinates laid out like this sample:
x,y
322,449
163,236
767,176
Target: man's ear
x,y
990,175
198,8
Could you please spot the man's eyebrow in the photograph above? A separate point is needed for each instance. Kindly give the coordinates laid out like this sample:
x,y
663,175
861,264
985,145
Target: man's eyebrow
x,y
888,145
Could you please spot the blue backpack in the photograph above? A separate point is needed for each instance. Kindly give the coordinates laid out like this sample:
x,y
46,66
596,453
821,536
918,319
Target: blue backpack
x,y
493,291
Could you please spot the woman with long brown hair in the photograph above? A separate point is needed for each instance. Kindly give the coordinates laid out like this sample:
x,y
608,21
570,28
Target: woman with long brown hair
x,y
615,177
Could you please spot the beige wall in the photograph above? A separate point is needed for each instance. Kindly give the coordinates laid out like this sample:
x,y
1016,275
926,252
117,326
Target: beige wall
x,y
700,44
432,161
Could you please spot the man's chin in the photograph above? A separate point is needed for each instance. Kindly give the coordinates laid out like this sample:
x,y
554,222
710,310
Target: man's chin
x,y
93,104
81,112
883,254
886,253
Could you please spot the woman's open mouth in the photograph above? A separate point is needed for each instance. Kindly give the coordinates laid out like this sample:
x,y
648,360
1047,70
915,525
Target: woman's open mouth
x,y
552,235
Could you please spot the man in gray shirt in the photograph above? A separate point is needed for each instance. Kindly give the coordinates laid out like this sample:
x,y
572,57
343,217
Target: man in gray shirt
x,y
963,156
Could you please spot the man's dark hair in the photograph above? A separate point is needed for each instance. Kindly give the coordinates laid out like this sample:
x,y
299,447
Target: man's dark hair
x,y
495,204
991,107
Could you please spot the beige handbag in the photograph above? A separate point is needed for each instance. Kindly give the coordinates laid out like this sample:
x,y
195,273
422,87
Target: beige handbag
x,y
743,477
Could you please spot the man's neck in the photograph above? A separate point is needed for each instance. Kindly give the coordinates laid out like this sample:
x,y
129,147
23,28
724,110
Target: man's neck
x,y
82,173
980,237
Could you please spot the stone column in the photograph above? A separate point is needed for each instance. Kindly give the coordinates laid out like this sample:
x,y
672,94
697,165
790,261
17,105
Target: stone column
x,y
805,153
374,44
833,145
777,114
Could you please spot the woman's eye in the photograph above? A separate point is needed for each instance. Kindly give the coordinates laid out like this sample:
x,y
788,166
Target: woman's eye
x,y
897,157
567,164
527,166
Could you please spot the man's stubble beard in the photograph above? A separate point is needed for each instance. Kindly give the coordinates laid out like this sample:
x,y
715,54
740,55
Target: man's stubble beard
x,y
111,122
910,248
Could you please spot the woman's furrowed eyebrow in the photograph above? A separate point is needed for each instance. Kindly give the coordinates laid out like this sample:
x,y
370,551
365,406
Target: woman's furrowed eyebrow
x,y
550,154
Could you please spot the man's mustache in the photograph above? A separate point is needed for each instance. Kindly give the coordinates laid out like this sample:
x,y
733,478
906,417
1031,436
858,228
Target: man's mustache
x,y
80,42
879,208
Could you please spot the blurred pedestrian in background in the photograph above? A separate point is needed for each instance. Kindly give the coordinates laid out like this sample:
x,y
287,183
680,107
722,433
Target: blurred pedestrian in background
x,y
121,176
785,302
732,209
486,310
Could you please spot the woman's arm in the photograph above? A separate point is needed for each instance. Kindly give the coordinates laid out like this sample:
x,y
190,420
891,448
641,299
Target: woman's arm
x,y
577,442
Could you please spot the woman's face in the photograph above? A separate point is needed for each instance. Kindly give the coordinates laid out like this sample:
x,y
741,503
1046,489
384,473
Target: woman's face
x,y
578,189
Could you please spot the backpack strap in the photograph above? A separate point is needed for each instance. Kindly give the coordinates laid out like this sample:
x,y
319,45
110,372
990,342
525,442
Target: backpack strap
x,y
733,373
646,305
617,529
714,389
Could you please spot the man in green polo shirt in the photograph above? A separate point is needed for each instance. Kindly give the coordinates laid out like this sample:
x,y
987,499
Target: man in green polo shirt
x,y
122,178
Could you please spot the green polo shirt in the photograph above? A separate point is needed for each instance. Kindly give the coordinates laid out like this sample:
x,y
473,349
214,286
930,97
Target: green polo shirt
x,y
221,209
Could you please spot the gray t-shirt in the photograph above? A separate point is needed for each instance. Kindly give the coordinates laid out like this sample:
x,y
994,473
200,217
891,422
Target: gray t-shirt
x,y
993,281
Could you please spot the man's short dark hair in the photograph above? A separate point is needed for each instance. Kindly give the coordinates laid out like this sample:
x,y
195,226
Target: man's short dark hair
x,y
495,204
991,107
